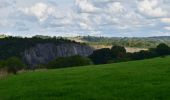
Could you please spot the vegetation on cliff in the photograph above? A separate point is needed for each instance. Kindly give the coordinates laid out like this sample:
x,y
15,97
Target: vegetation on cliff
x,y
14,46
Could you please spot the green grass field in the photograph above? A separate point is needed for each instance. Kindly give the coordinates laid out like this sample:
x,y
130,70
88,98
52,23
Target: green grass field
x,y
136,80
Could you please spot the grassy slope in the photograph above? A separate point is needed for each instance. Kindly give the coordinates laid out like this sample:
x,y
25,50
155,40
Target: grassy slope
x,y
148,79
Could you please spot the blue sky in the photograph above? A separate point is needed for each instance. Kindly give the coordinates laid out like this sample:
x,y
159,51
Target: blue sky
x,y
120,18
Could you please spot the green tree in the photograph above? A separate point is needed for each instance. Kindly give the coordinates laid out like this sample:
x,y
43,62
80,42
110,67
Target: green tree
x,y
101,56
72,61
14,64
2,64
163,49
118,52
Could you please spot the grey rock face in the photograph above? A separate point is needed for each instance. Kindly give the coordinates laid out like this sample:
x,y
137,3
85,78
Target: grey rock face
x,y
43,53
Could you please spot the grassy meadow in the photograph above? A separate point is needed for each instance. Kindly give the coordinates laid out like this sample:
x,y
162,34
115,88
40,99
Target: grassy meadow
x,y
135,80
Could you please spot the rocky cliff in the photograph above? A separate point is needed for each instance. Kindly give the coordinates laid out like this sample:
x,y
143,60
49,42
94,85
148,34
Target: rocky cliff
x,y
43,53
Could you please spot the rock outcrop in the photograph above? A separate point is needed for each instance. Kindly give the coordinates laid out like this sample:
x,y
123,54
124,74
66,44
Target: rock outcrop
x,y
43,53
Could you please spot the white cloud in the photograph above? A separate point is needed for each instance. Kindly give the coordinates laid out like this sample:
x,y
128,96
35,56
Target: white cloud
x,y
41,10
115,7
165,20
4,4
85,26
85,6
167,28
89,17
152,8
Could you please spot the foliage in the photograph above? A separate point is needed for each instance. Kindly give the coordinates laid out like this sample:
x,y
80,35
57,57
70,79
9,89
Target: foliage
x,y
139,42
15,46
143,55
118,52
2,64
101,56
72,61
163,49
14,64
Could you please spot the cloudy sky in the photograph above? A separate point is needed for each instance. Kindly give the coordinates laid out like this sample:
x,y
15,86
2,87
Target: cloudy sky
x,y
85,17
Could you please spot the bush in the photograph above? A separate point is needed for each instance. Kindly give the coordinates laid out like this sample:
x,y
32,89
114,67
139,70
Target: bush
x,y
101,56
118,52
2,64
119,60
40,66
144,54
163,49
72,61
14,64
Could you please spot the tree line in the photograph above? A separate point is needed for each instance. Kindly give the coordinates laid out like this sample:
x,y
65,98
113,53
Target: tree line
x,y
14,46
119,54
107,55
140,42
100,56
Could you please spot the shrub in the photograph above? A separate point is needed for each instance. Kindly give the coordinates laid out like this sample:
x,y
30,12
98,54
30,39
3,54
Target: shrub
x,y
14,64
2,64
101,56
40,66
118,52
72,61
143,55
119,60
163,49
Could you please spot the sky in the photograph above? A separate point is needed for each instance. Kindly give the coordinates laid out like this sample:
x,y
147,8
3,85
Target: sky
x,y
112,18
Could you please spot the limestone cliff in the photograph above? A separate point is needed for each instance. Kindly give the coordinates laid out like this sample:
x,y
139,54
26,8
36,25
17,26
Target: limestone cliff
x,y
43,53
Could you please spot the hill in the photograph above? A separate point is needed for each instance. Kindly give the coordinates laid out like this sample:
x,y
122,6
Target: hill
x,y
40,50
138,42
136,80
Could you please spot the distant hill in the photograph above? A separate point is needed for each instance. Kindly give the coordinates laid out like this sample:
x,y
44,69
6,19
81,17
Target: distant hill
x,y
42,37
100,42
2,36
139,42
133,42
161,37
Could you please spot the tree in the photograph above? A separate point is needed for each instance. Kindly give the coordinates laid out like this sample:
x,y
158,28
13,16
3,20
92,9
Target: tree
x,y
118,52
14,64
72,61
101,56
163,49
2,64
